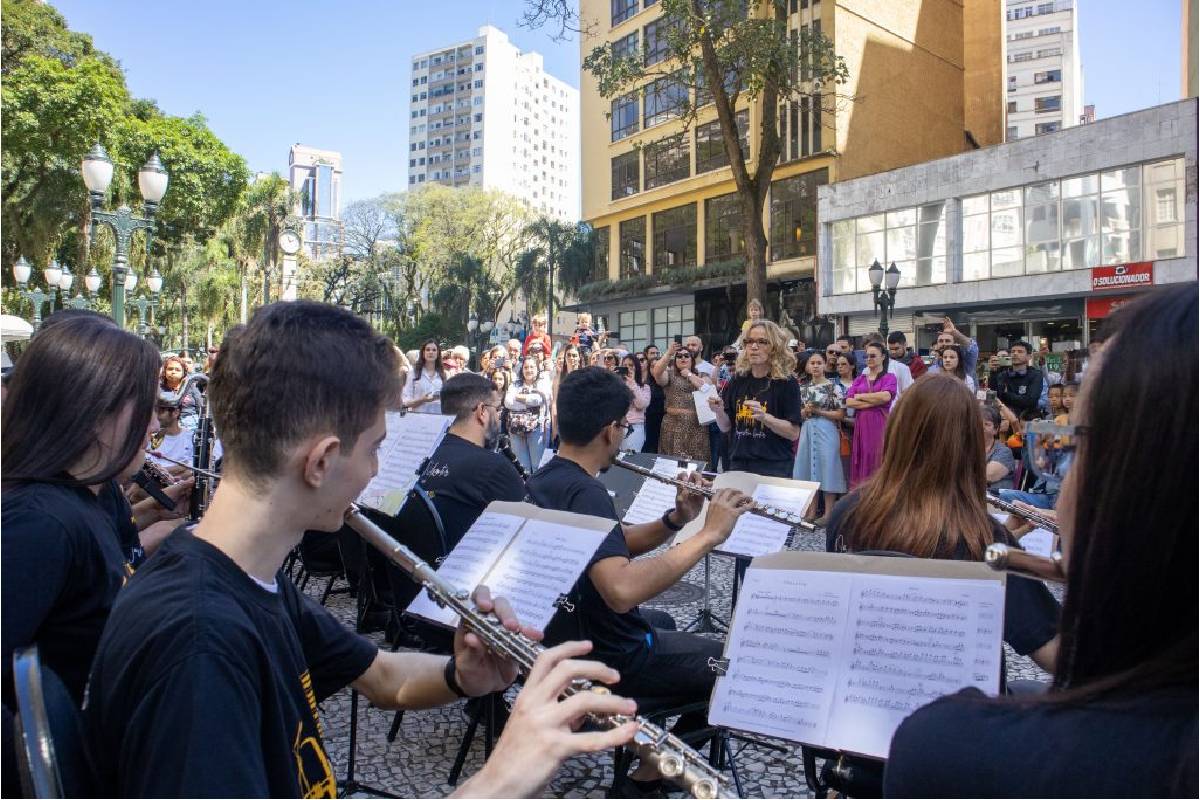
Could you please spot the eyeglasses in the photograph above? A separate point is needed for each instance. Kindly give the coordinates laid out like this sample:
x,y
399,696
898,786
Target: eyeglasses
x,y
679,356
620,423
756,342
610,358
641,358
498,407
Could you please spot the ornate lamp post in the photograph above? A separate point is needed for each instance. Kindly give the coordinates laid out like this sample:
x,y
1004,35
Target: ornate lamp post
x,y
97,169
885,298
53,275
154,282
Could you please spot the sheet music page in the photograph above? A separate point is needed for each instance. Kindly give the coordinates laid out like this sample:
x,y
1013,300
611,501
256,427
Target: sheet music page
x,y
411,439
670,468
470,561
754,535
543,561
654,499
1038,541
908,642
839,659
782,654
795,500
704,414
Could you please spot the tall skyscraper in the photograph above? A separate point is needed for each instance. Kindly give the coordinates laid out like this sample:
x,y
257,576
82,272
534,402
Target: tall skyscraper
x,y
1045,79
482,113
316,176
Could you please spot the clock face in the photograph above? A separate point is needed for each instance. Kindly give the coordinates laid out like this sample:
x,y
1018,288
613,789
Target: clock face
x,y
289,242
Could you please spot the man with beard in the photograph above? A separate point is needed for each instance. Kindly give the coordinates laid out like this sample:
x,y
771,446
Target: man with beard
x,y
466,473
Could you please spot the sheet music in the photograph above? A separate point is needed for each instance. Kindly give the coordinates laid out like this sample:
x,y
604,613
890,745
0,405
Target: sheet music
x,y
839,659
755,535
470,561
654,499
795,500
1038,541
543,562
411,438
670,468
704,414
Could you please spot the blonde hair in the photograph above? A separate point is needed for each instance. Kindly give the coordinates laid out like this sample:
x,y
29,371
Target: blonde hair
x,y
780,360
584,315
538,318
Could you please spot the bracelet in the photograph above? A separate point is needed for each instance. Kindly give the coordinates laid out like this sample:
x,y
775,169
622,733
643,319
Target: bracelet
x,y
451,681
666,521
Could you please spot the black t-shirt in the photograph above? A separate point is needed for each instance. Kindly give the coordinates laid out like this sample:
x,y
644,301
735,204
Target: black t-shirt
x,y
967,745
462,478
206,684
1030,611
750,440
113,499
61,570
620,640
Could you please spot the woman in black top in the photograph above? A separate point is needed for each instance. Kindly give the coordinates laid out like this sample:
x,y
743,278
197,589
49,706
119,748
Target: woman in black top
x,y
760,407
79,411
1120,718
927,500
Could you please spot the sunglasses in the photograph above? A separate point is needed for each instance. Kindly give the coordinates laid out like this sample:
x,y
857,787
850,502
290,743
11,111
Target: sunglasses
x,y
682,355
759,342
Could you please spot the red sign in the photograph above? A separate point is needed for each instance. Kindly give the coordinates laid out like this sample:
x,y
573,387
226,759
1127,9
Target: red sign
x,y
1123,276
1101,307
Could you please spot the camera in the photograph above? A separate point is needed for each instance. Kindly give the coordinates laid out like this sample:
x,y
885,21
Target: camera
x,y
500,362
623,371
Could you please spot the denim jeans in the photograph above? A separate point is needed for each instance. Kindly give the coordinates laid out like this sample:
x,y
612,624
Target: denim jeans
x,y
528,447
1045,501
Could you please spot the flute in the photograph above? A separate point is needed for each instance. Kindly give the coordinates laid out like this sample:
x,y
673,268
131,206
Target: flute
x,y
1003,558
675,760
1024,513
788,518
214,476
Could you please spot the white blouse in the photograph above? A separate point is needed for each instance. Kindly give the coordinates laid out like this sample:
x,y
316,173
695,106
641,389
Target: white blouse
x,y
420,384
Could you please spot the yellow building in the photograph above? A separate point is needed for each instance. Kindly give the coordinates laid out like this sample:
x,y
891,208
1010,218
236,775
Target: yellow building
x,y
926,80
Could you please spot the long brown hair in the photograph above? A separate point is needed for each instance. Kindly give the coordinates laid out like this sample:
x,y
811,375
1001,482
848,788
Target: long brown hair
x,y
79,371
927,498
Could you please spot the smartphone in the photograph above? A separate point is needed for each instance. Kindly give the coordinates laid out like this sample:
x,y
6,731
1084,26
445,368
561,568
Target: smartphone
x,y
933,327
678,339
1004,361
500,362
623,371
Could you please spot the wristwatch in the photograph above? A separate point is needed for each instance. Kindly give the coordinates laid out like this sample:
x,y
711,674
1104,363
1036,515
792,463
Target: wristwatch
x,y
451,680
666,521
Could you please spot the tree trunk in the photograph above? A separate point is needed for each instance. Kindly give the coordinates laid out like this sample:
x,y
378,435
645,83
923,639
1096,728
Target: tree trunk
x,y
756,248
183,312
244,311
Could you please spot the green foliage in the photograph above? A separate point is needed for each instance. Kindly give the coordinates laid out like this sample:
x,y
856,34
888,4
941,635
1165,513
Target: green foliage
x,y
431,326
671,277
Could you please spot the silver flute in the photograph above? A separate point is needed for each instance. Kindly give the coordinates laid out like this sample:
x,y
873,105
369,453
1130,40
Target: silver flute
x,y
1003,558
788,518
677,761
1037,519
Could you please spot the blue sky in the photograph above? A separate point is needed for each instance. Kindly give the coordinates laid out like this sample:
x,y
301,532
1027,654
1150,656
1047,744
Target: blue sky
x,y
269,73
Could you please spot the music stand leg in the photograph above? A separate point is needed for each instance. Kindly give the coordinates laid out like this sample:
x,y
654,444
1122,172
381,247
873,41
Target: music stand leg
x,y
706,621
351,786
463,748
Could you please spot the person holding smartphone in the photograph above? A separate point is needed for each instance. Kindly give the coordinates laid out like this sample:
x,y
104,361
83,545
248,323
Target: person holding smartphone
x,y
630,371
682,434
423,389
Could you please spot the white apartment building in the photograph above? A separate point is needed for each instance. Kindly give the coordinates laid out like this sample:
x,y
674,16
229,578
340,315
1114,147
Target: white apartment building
x,y
482,113
1045,79
316,177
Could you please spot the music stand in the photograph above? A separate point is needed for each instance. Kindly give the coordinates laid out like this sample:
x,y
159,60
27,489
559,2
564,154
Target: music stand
x,y
707,621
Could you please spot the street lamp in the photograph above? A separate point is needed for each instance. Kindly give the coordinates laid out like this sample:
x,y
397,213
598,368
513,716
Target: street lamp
x,y
97,171
22,271
885,298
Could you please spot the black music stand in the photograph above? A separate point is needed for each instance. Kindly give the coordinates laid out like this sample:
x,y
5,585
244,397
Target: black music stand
x,y
350,785
707,621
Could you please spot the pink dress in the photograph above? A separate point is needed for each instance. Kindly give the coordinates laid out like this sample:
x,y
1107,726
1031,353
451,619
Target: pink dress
x,y
866,451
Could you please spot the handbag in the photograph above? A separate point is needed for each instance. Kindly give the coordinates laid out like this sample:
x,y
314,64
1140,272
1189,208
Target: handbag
x,y
845,448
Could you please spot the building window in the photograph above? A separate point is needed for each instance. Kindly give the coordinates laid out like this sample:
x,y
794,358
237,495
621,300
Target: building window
x,y
600,254
667,161
1164,187
623,10
723,236
1053,103
794,215
674,237
657,46
625,175
478,49
624,116
1049,76
1012,106
1047,127
1011,133
626,47
666,321
704,96
913,238
633,247
665,98
710,146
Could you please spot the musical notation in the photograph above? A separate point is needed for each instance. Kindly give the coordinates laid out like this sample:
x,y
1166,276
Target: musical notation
x,y
411,438
859,650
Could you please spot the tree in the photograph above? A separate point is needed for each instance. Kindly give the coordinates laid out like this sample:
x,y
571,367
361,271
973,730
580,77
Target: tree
x,y
716,48
559,261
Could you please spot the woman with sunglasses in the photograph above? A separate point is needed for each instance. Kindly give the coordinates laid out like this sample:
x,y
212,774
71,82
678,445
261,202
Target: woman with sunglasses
x,y
1120,716
682,434
870,395
760,407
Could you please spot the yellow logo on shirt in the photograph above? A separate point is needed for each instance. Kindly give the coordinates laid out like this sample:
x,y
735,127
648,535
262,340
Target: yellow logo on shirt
x,y
314,773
